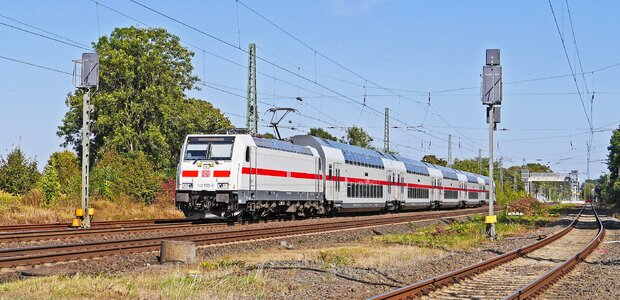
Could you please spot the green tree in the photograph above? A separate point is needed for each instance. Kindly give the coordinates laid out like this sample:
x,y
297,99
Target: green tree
x,y
50,184
141,103
587,187
357,136
432,159
69,172
613,158
18,174
266,136
608,187
322,133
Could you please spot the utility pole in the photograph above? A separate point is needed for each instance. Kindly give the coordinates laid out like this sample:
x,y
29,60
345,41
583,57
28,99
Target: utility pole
x,y
501,173
450,150
89,83
492,98
514,183
386,131
479,161
252,107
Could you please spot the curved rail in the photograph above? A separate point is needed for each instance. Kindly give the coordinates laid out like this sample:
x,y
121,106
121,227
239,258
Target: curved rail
x,y
540,284
423,287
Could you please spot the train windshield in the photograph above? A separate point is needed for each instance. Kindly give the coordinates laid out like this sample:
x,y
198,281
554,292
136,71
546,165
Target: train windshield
x,y
209,148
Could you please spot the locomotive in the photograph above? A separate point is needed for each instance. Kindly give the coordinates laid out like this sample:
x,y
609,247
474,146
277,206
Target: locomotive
x,y
240,175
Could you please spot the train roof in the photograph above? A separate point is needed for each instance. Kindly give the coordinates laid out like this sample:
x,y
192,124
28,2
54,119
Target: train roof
x,y
281,145
356,154
471,177
413,166
446,172
374,157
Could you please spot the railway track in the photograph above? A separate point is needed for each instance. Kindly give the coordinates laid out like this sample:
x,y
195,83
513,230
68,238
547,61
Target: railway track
x,y
100,224
520,274
66,252
9,237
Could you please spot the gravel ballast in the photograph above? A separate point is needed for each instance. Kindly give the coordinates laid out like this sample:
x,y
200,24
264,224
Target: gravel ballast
x,y
597,276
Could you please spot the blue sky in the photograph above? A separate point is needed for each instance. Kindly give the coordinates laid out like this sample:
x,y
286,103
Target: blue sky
x,y
401,50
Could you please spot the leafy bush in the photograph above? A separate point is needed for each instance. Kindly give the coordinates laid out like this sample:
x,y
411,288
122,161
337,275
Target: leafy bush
x,y
166,195
67,166
508,196
130,174
527,206
18,174
50,184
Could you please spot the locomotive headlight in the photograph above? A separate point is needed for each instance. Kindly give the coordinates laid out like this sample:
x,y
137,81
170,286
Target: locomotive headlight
x,y
222,185
187,185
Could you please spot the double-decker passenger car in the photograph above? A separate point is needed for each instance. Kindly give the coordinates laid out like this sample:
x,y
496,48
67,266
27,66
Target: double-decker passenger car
x,y
229,175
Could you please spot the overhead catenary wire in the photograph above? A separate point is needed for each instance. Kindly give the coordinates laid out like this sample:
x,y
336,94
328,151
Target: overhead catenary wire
x,y
570,65
306,103
36,65
348,69
375,111
45,36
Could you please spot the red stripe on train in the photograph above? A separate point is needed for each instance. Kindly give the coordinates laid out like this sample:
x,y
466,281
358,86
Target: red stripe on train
x,y
221,173
300,175
188,173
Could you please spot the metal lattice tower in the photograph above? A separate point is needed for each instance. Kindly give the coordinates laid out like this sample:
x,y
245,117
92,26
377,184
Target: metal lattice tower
x,y
450,150
386,131
86,78
479,161
252,109
501,173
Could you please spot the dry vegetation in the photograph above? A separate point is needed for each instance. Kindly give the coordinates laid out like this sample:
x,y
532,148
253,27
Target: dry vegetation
x,y
28,209
189,282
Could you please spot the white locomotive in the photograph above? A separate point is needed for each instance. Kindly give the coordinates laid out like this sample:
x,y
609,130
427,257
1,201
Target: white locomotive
x,y
226,175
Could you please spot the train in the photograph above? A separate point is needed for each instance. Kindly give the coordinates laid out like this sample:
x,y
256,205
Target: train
x,y
240,175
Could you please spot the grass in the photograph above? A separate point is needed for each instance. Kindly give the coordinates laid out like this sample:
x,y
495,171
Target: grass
x,y
463,235
361,254
557,209
28,209
182,283
223,263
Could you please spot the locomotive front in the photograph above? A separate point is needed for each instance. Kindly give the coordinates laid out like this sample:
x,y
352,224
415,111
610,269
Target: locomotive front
x,y
206,185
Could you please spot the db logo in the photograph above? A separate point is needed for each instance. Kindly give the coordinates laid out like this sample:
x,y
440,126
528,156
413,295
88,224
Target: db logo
x,y
206,173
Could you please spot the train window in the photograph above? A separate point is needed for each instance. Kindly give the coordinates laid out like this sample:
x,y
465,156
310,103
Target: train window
x,y
338,178
329,175
349,190
247,154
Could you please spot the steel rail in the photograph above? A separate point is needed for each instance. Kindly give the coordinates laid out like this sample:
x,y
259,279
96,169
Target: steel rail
x,y
540,284
74,233
51,226
425,286
44,254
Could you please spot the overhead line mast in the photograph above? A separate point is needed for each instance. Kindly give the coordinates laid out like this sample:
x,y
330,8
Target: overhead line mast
x,y
386,131
252,108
